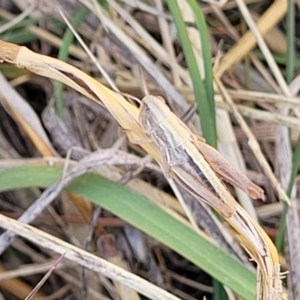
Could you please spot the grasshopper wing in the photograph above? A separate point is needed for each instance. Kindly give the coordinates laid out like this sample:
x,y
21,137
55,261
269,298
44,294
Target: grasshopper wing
x,y
226,170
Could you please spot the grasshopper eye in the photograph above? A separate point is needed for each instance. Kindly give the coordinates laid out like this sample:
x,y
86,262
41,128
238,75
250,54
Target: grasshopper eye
x,y
147,108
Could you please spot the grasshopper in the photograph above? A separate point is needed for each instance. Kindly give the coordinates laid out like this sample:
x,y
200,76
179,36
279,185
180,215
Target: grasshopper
x,y
190,161
182,155
201,170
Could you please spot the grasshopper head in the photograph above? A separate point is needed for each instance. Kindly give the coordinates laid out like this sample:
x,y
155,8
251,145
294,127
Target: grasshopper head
x,y
153,111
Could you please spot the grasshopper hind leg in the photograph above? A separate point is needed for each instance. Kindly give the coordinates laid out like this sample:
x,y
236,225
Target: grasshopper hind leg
x,y
202,192
226,171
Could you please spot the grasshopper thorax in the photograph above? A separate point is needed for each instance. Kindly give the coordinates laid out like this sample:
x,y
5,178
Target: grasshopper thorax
x,y
153,111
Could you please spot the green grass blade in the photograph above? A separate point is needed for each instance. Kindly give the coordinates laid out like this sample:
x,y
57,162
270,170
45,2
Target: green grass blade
x,y
279,59
291,56
146,216
207,59
63,55
281,231
104,4
11,72
205,107
219,291
18,36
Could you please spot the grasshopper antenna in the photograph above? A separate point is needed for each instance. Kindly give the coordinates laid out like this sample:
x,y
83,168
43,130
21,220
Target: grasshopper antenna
x,y
129,96
93,58
89,53
188,114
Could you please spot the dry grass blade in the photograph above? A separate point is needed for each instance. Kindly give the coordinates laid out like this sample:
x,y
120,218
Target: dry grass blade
x,y
227,145
29,122
86,259
262,45
282,141
27,270
160,198
17,288
125,113
264,97
247,42
158,50
188,17
263,252
292,246
26,117
137,51
87,164
257,114
44,279
18,19
254,145
128,116
185,207
186,157
256,133
45,35
253,238
107,249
